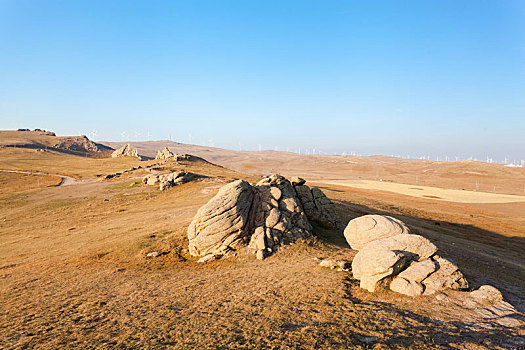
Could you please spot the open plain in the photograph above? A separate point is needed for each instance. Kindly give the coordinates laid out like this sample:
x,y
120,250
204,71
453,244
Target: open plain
x,y
76,269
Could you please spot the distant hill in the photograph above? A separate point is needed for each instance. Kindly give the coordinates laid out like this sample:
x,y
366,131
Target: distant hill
x,y
470,175
42,139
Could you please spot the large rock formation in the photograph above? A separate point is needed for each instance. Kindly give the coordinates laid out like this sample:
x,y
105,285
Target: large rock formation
x,y
408,264
164,154
126,151
279,217
368,228
264,217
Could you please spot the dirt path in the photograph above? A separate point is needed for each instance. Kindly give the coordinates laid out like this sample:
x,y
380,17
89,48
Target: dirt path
x,y
66,180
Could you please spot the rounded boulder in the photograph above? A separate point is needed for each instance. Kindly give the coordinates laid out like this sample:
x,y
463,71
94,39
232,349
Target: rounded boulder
x,y
368,228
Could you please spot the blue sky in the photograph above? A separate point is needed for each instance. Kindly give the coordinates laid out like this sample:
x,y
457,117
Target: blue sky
x,y
390,77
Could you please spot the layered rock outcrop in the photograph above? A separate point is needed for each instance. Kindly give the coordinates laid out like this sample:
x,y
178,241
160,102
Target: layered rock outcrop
x,y
225,222
264,217
316,205
126,151
166,181
407,263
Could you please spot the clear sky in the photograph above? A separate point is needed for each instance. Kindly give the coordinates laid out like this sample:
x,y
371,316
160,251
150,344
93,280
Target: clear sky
x,y
390,77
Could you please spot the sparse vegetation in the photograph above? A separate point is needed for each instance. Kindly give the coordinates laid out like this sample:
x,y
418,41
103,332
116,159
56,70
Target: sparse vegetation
x,y
75,269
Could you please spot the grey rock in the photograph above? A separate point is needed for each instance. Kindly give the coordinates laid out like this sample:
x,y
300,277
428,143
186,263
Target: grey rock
x,y
487,294
446,276
371,266
264,217
403,286
368,228
317,206
206,258
222,223
415,247
418,271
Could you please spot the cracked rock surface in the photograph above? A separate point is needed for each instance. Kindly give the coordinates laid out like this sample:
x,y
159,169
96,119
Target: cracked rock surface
x,y
263,217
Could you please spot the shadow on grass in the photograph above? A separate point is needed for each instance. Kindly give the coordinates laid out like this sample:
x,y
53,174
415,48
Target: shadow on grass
x,y
407,328
349,211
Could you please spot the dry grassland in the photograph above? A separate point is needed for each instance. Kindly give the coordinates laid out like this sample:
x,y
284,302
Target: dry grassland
x,y
74,272
458,196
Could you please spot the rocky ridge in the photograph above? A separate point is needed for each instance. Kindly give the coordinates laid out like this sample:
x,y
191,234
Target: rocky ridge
x,y
80,144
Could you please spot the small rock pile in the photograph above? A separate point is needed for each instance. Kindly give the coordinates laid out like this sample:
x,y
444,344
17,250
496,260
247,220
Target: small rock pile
x,y
389,254
111,176
263,217
166,181
126,151
166,154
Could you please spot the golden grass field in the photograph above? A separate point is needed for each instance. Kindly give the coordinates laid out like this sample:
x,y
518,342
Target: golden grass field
x,y
444,194
74,272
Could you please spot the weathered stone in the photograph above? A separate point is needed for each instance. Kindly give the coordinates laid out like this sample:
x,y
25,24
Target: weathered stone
x,y
164,185
225,216
340,265
276,193
447,275
415,247
273,218
279,214
403,286
77,144
207,258
368,228
370,266
316,205
126,151
418,271
487,294
267,215
297,181
167,181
